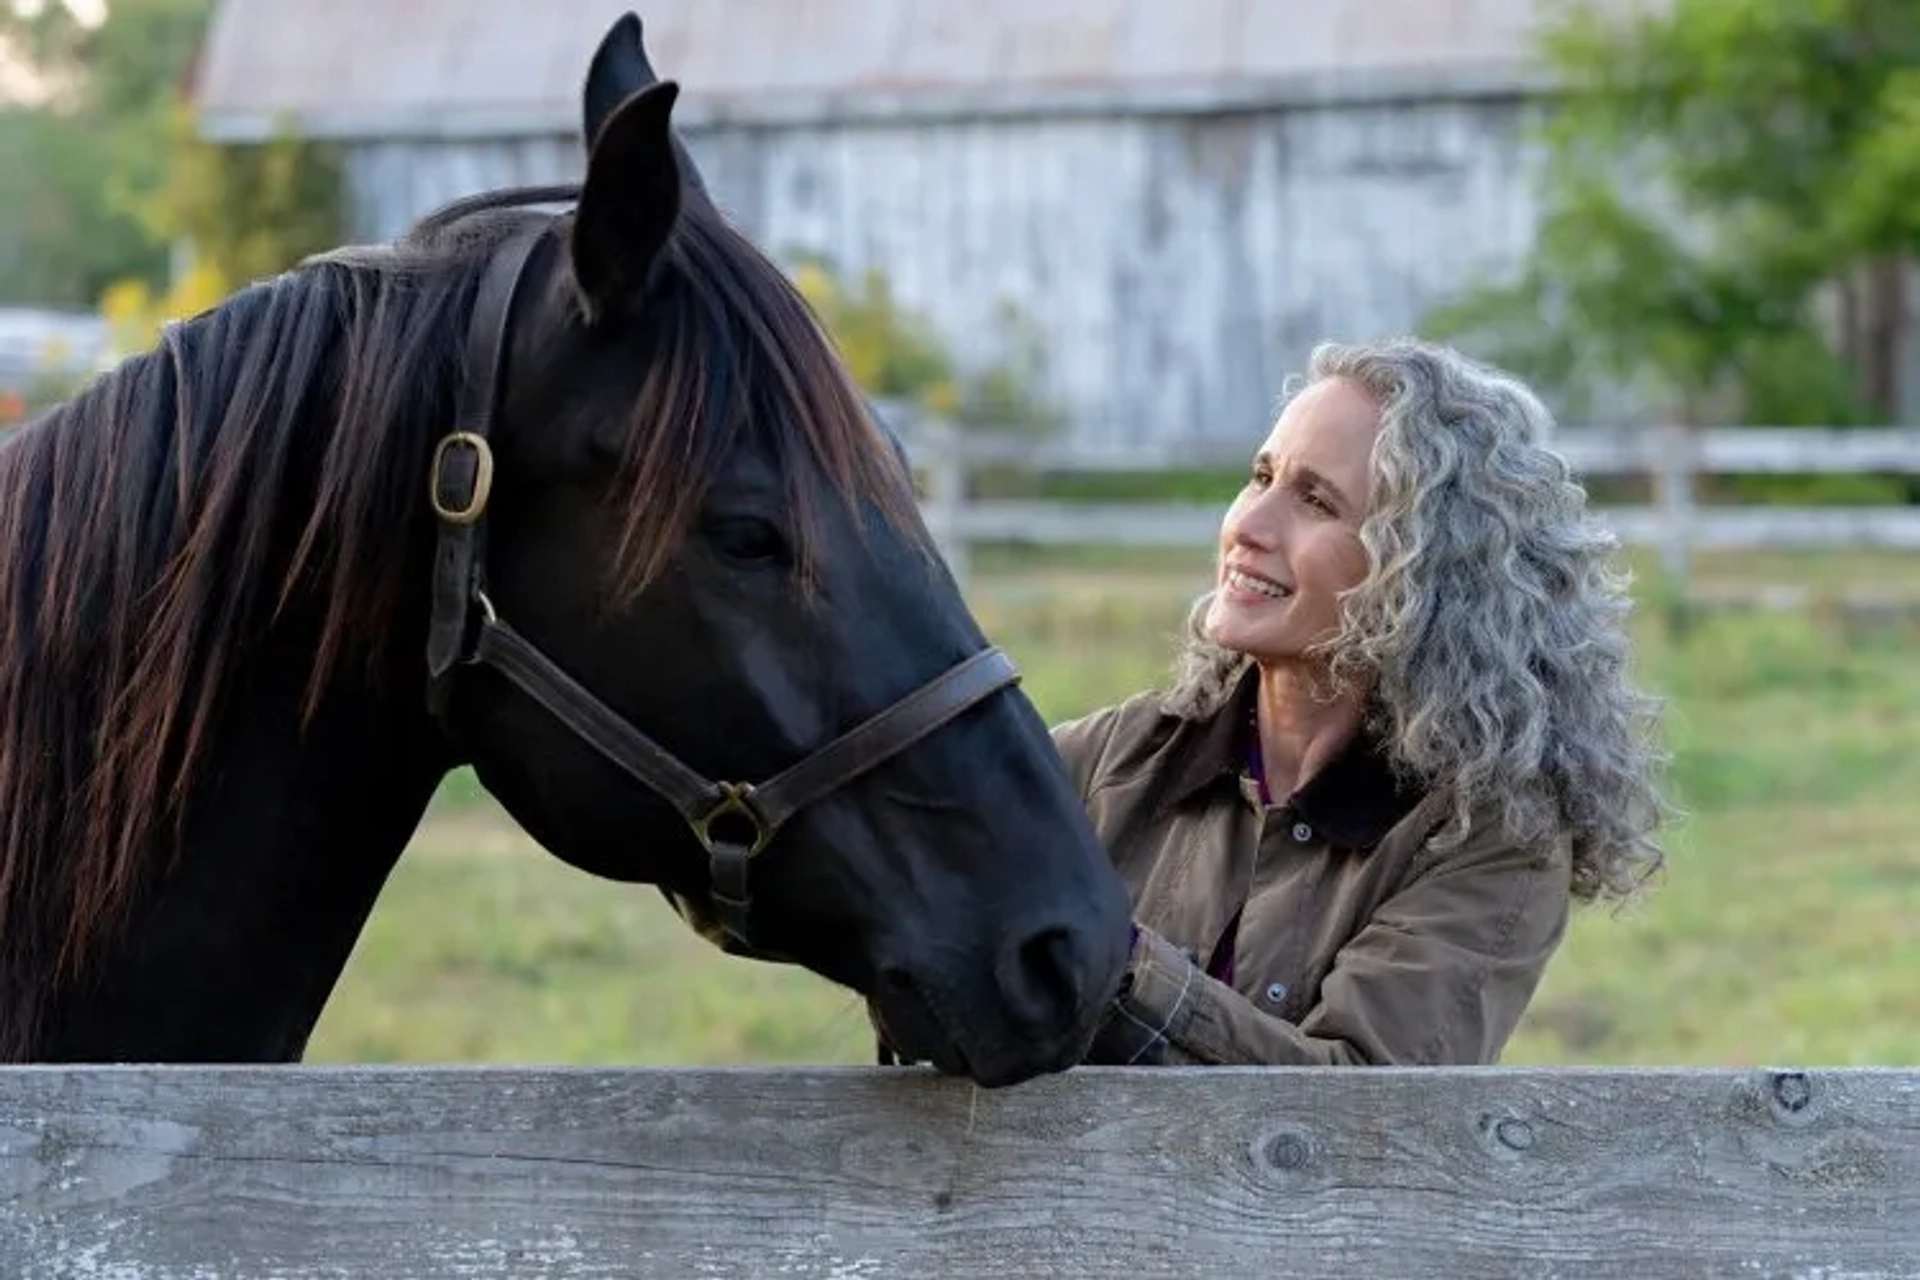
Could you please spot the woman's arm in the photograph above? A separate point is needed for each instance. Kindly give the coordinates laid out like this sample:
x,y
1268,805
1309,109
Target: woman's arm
x,y
1441,974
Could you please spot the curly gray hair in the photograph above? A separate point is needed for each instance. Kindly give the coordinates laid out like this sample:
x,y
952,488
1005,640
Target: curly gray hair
x,y
1490,625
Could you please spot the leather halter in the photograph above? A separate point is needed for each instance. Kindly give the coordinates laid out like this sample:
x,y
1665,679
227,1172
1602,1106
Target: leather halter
x,y
733,821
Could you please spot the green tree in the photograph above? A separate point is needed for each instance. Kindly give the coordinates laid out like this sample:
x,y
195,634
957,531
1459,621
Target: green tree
x,y
894,353
62,240
1730,190
98,185
74,168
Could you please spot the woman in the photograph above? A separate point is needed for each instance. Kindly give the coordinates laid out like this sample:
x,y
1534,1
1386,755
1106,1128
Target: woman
x,y
1400,743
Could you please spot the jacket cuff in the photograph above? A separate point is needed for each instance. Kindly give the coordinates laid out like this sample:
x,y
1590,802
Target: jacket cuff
x,y
1156,1002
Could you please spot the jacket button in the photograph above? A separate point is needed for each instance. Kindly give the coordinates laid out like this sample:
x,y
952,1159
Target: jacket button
x,y
1302,832
1276,992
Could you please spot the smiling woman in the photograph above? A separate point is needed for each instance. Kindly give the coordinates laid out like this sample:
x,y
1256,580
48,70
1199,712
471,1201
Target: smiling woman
x,y
1400,743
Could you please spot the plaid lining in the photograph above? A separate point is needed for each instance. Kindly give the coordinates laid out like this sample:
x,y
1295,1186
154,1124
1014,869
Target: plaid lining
x,y
1145,1024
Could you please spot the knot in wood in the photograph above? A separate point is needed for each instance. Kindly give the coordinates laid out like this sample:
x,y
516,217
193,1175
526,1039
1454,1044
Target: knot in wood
x,y
1514,1133
1284,1149
1792,1091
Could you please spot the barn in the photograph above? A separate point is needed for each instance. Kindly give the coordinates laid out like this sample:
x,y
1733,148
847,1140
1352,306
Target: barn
x,y
1179,198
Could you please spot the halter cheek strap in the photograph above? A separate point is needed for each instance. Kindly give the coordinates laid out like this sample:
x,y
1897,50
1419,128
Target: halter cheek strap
x,y
461,478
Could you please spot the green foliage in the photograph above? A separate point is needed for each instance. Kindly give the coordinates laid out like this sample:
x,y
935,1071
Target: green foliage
x,y
74,171
1002,396
62,242
99,184
894,354
249,210
138,58
1881,208
891,353
1726,188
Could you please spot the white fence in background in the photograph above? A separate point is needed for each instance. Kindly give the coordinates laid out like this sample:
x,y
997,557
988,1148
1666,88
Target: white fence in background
x,y
1674,460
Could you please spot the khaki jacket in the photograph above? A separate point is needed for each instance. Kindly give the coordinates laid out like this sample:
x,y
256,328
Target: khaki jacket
x,y
1357,941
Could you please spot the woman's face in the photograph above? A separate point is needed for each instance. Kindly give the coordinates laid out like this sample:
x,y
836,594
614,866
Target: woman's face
x,y
1290,543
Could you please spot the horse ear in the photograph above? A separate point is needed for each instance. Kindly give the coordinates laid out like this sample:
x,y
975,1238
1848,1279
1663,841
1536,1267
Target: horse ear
x,y
629,201
619,70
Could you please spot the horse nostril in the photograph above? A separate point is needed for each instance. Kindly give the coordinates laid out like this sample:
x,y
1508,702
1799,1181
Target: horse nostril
x,y
1040,978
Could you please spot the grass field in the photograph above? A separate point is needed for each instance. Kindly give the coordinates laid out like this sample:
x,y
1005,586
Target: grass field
x,y
1787,927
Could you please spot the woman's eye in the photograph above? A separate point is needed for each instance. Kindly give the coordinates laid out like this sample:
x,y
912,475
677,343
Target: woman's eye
x,y
747,539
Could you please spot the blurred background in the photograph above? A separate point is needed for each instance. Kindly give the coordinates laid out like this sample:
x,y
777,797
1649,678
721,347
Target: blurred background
x,y
1077,248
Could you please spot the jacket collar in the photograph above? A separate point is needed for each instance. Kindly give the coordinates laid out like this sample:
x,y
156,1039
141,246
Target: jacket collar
x,y
1355,799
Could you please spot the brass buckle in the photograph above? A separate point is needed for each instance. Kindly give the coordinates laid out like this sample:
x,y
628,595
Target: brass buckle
x,y
476,506
735,797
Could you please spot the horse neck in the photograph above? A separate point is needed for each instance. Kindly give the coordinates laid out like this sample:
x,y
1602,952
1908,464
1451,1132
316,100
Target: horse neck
x,y
235,951
295,818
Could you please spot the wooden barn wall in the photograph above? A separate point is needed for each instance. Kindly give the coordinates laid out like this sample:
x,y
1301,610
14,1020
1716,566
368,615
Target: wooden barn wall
x,y
1179,267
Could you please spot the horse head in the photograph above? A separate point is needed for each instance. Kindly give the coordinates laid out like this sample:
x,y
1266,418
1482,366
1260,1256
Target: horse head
x,y
715,648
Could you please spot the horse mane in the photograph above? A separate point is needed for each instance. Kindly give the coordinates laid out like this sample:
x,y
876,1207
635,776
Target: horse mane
x,y
272,452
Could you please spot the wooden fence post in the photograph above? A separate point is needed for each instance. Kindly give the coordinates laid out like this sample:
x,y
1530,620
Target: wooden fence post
x,y
1674,462
945,507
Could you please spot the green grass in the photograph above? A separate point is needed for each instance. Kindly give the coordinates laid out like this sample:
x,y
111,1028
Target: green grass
x,y
1787,924
1786,927
485,949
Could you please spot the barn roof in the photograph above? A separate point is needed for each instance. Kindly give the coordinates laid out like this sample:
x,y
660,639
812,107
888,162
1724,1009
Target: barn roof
x,y
379,68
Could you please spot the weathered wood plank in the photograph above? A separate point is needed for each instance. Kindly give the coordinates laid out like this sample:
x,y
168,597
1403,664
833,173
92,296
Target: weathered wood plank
x,y
164,1174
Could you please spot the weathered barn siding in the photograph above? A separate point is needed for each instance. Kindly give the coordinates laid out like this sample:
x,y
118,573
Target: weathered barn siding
x,y
1180,266
392,182
1183,199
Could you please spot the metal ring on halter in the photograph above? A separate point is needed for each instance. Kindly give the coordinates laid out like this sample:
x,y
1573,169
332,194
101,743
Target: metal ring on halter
x,y
735,797
476,505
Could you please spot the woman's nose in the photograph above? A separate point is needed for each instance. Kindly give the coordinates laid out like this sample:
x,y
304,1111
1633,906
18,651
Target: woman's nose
x,y
1260,524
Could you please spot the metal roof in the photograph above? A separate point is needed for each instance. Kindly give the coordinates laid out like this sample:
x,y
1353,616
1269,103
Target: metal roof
x,y
382,68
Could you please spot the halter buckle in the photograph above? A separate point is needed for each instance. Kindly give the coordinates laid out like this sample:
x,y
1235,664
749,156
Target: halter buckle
x,y
735,797
476,503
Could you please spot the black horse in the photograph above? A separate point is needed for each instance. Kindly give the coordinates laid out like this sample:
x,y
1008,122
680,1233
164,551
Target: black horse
x,y
602,468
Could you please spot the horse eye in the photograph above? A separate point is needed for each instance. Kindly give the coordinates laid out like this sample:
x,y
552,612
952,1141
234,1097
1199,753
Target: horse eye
x,y
747,539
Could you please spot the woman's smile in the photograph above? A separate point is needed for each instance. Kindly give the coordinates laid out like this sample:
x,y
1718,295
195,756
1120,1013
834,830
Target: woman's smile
x,y
1249,586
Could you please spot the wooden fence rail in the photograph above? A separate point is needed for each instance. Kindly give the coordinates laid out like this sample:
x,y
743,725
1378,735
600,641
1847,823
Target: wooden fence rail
x,y
290,1173
1673,459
